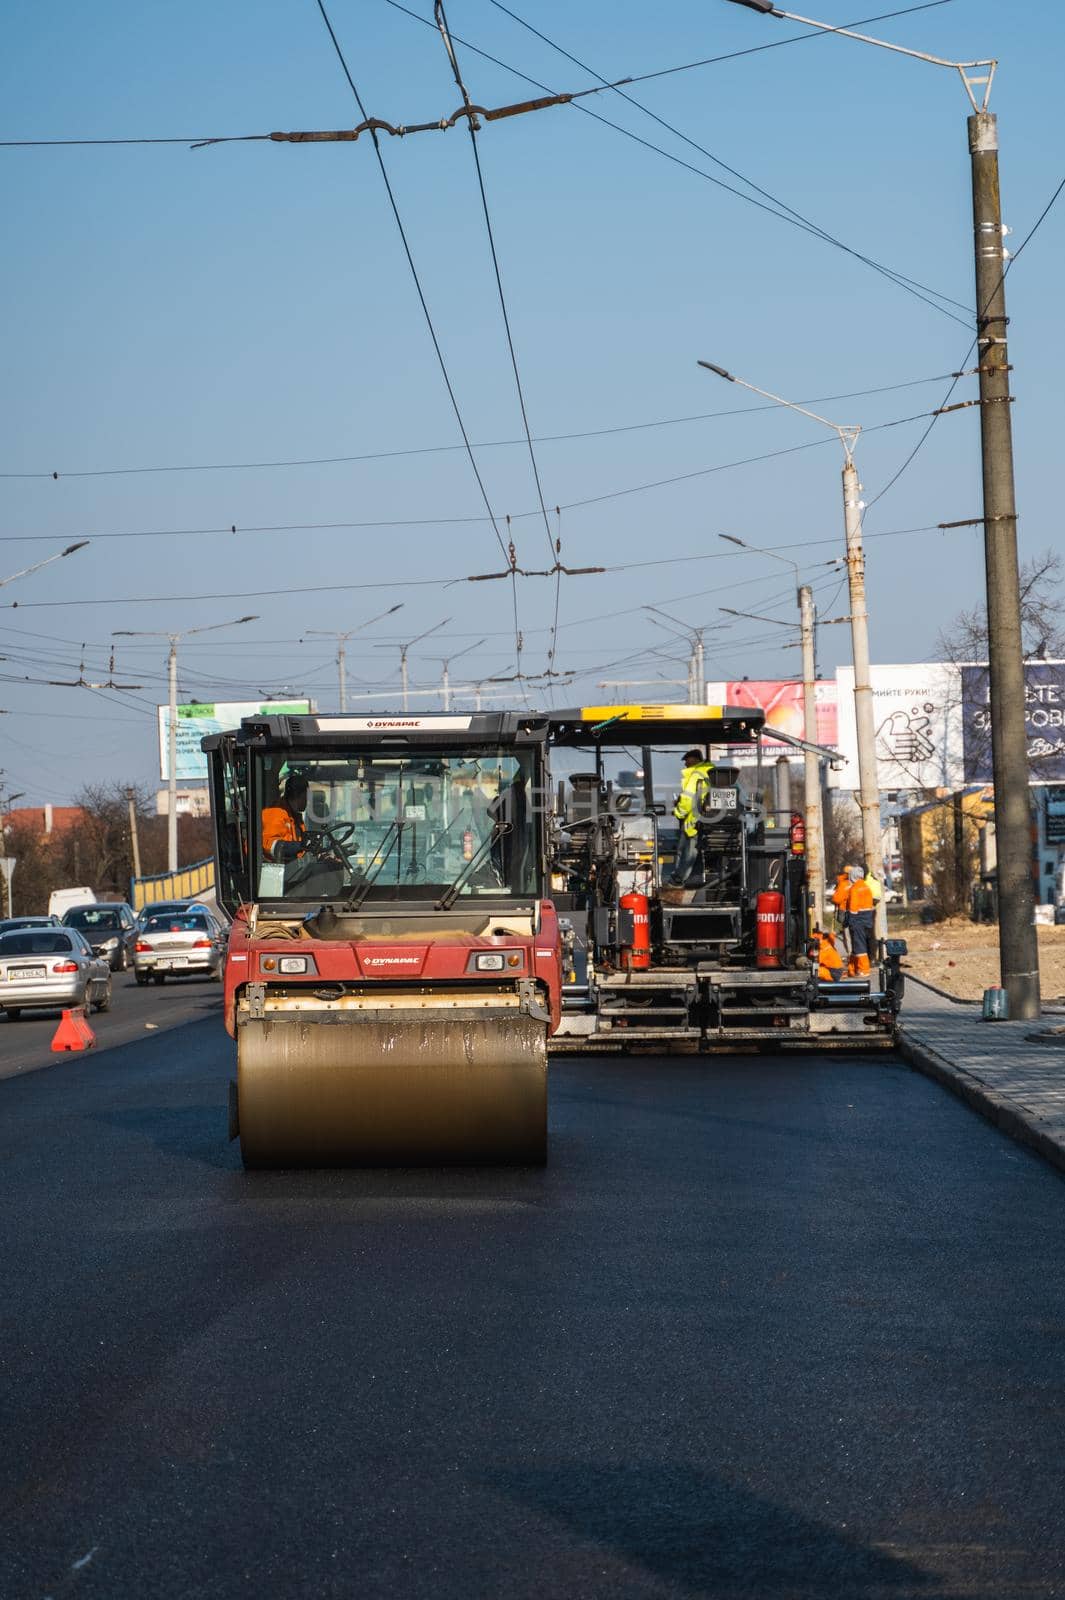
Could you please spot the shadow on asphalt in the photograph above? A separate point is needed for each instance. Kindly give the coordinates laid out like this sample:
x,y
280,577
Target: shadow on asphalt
x,y
713,1537
193,1133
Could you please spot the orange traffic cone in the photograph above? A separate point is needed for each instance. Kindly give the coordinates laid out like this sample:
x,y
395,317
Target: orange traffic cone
x,y
73,1032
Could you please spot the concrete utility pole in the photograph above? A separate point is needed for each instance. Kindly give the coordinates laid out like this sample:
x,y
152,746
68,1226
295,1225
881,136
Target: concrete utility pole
x,y
815,837
171,799
134,836
151,633
865,723
1018,939
1018,942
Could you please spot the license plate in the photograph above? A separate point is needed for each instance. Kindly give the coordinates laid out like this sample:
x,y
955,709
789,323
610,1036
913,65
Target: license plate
x,y
721,800
172,961
25,972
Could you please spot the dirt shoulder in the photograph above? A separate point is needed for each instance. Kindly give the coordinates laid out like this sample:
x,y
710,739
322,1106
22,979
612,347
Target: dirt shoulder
x,y
961,957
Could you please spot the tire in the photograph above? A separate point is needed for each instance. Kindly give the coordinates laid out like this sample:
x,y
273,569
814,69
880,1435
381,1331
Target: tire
x,y
13,1013
104,1002
123,960
158,977
142,978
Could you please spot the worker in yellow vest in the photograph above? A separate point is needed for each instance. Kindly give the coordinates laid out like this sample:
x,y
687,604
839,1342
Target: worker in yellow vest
x,y
694,782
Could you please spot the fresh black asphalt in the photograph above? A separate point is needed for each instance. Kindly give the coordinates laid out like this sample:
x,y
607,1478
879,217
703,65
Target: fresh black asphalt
x,y
779,1329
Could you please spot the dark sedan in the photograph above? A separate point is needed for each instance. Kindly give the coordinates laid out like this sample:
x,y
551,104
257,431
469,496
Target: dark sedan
x,y
109,929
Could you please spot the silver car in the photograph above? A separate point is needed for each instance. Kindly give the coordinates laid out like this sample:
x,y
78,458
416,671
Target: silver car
x,y
48,969
181,943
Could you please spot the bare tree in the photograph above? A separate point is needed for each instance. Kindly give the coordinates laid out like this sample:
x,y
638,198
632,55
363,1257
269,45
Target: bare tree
x,y
843,834
1042,628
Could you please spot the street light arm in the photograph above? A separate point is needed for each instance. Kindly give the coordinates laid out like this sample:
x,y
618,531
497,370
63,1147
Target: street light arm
x,y
963,68
37,565
759,550
756,616
847,435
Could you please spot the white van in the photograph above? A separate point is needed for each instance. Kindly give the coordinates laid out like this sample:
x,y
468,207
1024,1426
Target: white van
x,y
62,900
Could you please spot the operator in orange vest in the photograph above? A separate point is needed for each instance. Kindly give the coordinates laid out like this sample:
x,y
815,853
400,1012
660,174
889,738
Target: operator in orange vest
x,y
860,915
284,830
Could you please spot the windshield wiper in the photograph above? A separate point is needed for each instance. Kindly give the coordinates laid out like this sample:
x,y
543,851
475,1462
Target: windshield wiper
x,y
447,899
395,828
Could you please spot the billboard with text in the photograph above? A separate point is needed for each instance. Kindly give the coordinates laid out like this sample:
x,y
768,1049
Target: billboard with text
x,y
1044,721
918,723
193,721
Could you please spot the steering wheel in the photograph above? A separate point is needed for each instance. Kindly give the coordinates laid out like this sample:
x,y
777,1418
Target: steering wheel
x,y
335,838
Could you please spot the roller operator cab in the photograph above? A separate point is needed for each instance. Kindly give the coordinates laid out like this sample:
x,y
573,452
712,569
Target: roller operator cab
x,y
394,968
721,960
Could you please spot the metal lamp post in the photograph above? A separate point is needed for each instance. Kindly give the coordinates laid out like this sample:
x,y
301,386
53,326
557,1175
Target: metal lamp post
x,y
403,678
697,657
342,640
868,782
445,673
184,633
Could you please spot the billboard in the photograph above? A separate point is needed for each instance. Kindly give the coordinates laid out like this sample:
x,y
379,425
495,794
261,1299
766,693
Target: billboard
x,y
781,700
1044,721
917,716
193,721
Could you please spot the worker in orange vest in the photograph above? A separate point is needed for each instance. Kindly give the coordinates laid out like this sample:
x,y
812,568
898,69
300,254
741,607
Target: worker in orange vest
x,y
284,830
829,960
840,896
860,914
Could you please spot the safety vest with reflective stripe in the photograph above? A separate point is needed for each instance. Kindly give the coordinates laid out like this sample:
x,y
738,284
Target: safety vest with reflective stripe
x,y
279,827
694,781
860,898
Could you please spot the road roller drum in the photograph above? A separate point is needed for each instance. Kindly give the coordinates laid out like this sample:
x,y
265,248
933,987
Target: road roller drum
x,y
388,1088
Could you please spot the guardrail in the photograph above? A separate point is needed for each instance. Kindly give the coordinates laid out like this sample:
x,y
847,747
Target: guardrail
x,y
187,883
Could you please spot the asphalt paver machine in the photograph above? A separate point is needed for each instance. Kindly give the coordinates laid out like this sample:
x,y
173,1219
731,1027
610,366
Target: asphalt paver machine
x,y
723,962
394,967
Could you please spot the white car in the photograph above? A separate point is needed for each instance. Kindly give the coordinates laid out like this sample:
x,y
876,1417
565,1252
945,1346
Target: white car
x,y
181,943
47,969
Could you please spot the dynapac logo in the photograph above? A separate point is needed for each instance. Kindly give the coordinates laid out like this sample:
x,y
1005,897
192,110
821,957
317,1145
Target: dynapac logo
x,y
392,961
410,722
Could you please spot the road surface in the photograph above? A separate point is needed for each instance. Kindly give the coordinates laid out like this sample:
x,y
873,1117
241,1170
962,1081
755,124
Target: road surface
x,y
764,1328
25,1045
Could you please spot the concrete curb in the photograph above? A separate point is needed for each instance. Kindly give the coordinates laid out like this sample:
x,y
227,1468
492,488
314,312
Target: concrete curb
x,y
1023,1126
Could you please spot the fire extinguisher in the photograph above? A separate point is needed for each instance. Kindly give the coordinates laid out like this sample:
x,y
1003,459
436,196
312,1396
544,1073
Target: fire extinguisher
x,y
467,845
770,929
638,954
797,834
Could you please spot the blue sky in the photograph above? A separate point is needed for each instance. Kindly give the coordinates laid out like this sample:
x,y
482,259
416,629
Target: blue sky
x,y
250,302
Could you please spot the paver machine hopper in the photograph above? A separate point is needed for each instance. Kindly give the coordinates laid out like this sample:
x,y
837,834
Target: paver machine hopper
x,y
394,969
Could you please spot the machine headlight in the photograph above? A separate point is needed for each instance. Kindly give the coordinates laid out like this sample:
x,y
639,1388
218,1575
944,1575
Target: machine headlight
x,y
109,944
295,964
495,961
